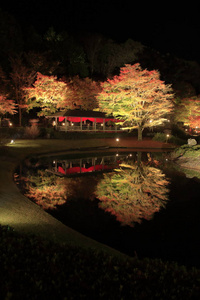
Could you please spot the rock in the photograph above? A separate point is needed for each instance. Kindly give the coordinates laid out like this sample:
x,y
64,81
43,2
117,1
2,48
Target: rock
x,y
192,142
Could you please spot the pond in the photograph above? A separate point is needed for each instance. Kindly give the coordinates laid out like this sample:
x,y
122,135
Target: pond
x,y
137,202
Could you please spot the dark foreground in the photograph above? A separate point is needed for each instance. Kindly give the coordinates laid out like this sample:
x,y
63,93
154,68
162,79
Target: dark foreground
x,y
36,269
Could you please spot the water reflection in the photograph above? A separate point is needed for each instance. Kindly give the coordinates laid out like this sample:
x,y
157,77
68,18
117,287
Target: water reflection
x,y
133,192
121,184
46,190
50,183
97,203
69,167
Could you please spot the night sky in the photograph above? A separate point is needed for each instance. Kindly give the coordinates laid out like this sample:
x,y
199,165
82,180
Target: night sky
x,y
163,26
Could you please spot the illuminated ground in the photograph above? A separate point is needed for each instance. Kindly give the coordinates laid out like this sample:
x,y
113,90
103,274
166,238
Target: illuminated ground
x,y
23,215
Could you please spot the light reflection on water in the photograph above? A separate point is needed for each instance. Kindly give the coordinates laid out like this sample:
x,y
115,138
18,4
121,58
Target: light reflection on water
x,y
127,187
133,192
130,201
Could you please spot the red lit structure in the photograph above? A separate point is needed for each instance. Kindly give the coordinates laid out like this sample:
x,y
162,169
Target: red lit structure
x,y
82,120
77,166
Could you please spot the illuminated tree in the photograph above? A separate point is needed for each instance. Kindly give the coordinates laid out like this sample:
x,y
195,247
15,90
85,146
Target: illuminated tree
x,y
85,91
187,111
133,193
6,106
136,97
50,94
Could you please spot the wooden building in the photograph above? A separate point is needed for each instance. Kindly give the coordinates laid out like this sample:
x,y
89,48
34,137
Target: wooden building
x,y
83,120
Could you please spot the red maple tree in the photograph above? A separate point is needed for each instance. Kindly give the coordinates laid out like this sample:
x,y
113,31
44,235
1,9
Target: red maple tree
x,y
137,97
188,112
6,106
50,94
85,92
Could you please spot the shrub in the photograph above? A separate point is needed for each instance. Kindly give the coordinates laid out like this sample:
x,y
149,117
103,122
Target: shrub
x,y
7,134
74,135
187,151
4,138
161,137
32,268
14,132
32,132
176,140
179,132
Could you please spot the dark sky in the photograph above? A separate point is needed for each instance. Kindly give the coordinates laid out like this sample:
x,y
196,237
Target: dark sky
x,y
164,26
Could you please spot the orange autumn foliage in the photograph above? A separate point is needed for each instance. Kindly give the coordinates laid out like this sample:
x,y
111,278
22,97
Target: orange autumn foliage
x,y
137,97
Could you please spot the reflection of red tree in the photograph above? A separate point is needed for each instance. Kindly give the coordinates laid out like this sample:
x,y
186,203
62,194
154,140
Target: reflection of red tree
x,y
81,187
133,193
46,190
49,191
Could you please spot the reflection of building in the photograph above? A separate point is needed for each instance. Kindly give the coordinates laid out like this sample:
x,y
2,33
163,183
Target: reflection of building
x,y
82,120
67,167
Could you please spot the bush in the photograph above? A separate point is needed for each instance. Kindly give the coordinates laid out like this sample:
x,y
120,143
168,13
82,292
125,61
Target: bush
x,y
9,133
3,139
176,140
186,151
54,134
179,132
32,268
161,137
32,132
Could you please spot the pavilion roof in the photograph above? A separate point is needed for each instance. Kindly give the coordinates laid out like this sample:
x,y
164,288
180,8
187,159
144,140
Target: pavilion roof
x,y
79,113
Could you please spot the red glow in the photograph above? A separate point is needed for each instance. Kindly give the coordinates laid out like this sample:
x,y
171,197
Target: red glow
x,y
75,170
61,119
78,119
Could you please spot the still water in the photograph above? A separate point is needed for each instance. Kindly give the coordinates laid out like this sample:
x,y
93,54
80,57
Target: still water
x,y
139,203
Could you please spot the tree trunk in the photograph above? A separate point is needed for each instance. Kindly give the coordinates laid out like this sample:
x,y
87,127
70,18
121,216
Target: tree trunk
x,y
139,158
20,116
139,133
